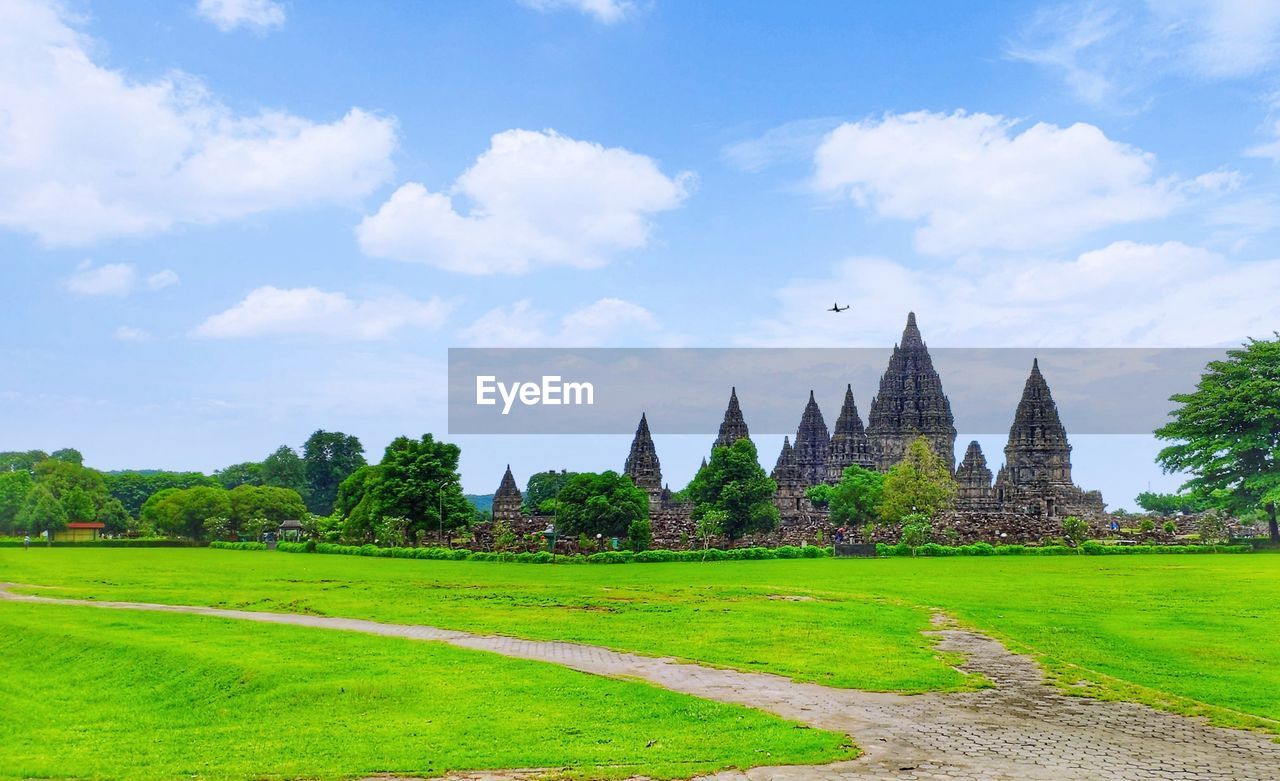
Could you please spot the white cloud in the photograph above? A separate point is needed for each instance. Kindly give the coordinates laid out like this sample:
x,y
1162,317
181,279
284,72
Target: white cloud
x,y
595,324
127,333
307,311
978,182
536,199
605,11
1123,295
87,153
113,279
1105,51
227,15
162,279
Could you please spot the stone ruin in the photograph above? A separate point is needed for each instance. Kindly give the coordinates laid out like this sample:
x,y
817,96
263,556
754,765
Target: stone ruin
x,y
1025,501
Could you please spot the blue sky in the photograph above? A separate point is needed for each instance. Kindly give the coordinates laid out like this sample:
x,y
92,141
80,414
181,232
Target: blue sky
x,y
226,223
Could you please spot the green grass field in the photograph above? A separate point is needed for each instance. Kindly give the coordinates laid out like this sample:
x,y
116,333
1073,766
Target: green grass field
x,y
131,695
1190,633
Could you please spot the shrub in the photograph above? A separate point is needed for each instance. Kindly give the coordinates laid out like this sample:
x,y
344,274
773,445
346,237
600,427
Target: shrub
x,y
238,545
639,535
1147,526
1170,527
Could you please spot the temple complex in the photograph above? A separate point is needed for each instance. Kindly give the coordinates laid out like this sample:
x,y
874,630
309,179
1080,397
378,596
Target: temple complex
x,y
1031,492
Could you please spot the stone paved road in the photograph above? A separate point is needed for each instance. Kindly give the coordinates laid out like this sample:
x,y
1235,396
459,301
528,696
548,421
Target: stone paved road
x,y
1022,729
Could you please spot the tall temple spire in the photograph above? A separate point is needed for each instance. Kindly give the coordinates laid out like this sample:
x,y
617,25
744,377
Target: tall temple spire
x,y
812,443
734,427
910,403
849,445
642,464
1038,451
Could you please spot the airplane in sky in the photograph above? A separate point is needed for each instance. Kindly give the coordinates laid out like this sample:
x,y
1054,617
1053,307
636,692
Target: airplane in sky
x,y
837,308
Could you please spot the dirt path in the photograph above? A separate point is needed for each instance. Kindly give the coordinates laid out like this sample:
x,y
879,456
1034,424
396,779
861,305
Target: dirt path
x,y
1022,729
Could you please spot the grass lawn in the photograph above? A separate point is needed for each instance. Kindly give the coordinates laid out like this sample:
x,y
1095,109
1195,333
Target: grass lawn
x,y
1192,633
91,693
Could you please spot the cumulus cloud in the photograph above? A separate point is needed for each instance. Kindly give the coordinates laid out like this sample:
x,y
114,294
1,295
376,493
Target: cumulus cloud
x,y
307,311
1126,294
115,279
1105,51
605,11
535,199
88,153
598,323
227,15
980,182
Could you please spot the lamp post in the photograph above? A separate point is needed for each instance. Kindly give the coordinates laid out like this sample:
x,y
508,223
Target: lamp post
x,y
599,541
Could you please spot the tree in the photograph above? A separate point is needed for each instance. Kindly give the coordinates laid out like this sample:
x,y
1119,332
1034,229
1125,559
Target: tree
x,y
14,487
855,498
1075,530
69,455
82,493
919,484
284,469
1173,504
639,535
257,508
820,495
1226,433
606,504
543,486
1212,528
916,530
14,460
42,512
133,488
183,512
710,525
78,505
734,482
246,473
417,481
329,457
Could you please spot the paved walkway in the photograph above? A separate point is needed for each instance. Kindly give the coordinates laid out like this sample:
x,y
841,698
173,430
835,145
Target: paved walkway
x,y
1022,729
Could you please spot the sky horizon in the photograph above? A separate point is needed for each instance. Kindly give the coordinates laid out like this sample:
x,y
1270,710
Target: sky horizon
x,y
228,223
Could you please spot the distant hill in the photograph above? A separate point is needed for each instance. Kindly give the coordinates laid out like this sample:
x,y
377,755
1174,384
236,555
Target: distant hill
x,y
482,502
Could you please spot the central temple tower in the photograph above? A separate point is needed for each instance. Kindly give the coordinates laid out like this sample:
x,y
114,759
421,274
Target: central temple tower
x,y
910,404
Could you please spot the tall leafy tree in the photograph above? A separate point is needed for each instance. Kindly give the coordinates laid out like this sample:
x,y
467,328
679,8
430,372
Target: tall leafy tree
x,y
14,487
734,483
246,473
68,454
606,503
42,512
285,469
330,457
543,486
1172,504
259,508
920,484
856,498
1226,433
417,481
185,512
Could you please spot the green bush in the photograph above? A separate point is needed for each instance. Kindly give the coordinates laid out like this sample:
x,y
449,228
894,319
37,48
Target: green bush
x,y
238,545
1092,548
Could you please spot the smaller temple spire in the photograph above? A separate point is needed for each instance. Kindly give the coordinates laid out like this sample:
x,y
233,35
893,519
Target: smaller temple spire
x,y
813,442
642,464
973,477
507,499
734,426
849,444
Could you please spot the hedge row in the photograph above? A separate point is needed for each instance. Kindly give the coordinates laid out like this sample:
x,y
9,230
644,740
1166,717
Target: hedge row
x,y
238,545
543,557
125,543
1089,548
